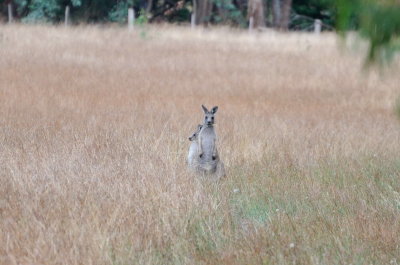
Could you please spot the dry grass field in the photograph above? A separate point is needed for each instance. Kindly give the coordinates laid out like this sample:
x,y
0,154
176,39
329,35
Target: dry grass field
x,y
93,140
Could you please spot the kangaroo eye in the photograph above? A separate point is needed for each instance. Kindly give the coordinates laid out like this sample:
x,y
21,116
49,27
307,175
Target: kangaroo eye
x,y
212,118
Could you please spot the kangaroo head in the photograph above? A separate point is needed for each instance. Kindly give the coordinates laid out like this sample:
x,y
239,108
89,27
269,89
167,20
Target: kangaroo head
x,y
196,133
209,118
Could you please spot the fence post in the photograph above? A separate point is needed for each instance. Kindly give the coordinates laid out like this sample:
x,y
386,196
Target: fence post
x,y
10,13
317,26
193,16
66,19
193,20
131,18
251,24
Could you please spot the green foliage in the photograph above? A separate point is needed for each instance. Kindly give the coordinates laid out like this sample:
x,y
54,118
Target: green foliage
x,y
142,21
231,13
345,11
22,6
76,3
119,12
377,21
310,10
43,11
94,10
381,25
142,18
180,15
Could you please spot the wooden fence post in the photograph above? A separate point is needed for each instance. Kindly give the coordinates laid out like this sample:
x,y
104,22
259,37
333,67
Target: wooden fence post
x,y
193,20
193,16
131,18
317,26
66,19
251,24
10,13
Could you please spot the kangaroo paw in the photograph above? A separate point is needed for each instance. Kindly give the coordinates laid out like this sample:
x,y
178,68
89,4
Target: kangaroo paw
x,y
201,155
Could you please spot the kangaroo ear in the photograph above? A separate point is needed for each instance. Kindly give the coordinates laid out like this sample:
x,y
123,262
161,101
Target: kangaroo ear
x,y
204,109
214,110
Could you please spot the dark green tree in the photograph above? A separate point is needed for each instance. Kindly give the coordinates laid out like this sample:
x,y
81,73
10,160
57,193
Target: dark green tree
x,y
378,21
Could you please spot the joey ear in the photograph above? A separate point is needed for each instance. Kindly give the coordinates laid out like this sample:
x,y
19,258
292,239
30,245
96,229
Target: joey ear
x,y
199,126
214,110
204,109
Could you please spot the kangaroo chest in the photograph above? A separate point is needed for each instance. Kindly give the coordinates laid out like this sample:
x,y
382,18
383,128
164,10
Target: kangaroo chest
x,y
208,138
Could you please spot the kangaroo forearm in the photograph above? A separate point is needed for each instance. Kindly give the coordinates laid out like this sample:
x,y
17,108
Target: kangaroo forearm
x,y
214,149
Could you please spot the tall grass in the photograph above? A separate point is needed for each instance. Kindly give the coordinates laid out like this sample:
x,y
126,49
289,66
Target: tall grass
x,y
93,133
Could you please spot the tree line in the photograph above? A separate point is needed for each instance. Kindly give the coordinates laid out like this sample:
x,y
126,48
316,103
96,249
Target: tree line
x,y
378,21
282,14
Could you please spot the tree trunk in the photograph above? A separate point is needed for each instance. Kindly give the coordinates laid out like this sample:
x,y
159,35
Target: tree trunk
x,y
208,12
276,13
203,11
285,19
256,11
149,6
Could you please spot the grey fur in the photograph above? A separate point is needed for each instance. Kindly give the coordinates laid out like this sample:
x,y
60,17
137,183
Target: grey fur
x,y
207,160
193,147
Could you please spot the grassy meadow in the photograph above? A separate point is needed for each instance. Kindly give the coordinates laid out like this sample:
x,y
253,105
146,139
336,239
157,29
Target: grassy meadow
x,y
94,127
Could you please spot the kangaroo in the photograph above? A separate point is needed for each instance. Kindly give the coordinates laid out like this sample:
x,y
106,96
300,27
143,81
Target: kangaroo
x,y
193,147
207,136
207,159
